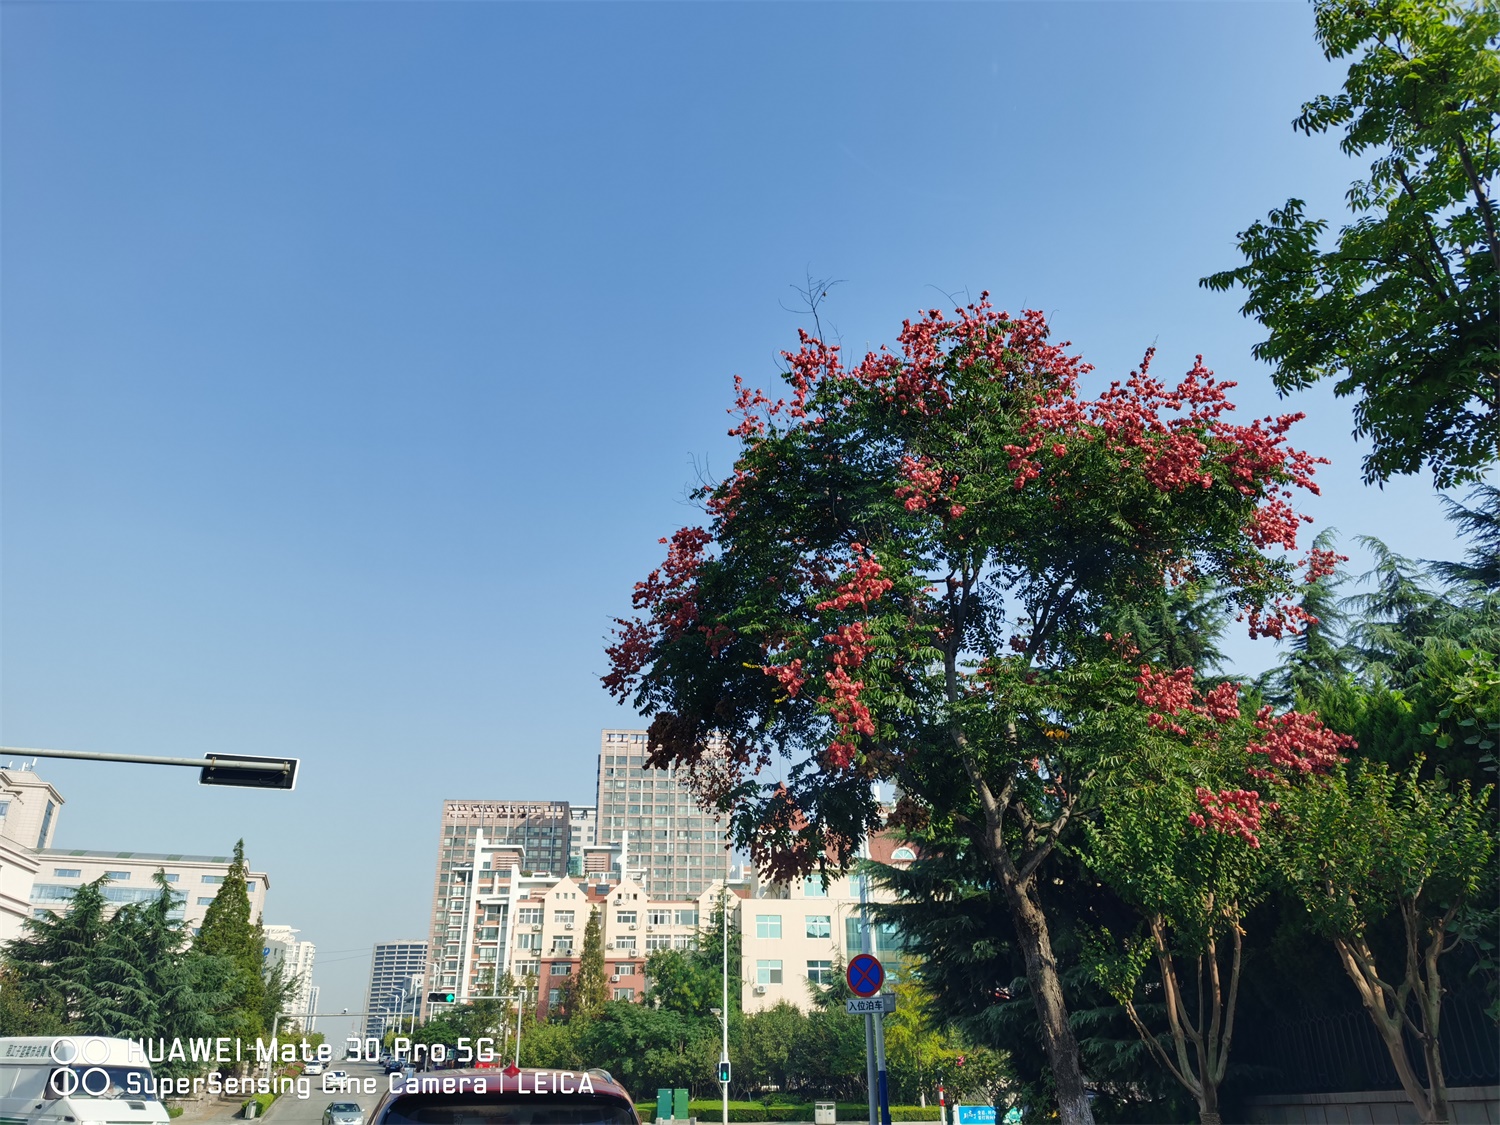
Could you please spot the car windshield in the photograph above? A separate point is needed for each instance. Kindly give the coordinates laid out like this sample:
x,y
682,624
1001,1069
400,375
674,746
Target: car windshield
x,y
507,1109
343,1107
101,1082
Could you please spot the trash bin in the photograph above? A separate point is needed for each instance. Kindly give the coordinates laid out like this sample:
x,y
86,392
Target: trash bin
x,y
680,1104
252,1107
664,1104
825,1113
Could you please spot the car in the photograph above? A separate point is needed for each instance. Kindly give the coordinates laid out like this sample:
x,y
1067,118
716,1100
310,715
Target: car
x,y
530,1096
335,1079
392,1066
314,1067
343,1113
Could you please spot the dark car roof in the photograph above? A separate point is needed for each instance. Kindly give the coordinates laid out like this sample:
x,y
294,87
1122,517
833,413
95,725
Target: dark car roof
x,y
498,1081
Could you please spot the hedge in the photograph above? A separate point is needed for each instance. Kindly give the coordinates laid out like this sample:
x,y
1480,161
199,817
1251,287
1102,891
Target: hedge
x,y
758,1111
263,1101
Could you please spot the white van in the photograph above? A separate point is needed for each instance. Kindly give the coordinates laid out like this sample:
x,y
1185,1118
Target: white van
x,y
76,1080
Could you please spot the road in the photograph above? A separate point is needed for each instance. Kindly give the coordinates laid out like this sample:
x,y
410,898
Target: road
x,y
289,1109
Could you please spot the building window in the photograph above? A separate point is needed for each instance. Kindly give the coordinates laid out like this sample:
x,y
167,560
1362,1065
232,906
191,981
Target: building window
x,y
205,900
563,944
625,917
768,925
625,968
820,972
819,925
117,876
658,941
529,916
812,887
687,917
212,879
562,969
171,877
903,854
658,917
564,918
41,839
625,943
768,972
4,809
67,873
554,997
624,994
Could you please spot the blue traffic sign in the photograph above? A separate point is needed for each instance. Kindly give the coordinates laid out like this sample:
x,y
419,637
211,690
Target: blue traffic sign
x,y
865,974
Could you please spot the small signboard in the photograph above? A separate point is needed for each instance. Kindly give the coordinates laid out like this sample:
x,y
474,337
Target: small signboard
x,y
884,1004
866,975
976,1114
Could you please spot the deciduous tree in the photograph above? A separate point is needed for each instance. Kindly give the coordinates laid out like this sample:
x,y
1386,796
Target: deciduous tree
x,y
1400,308
910,576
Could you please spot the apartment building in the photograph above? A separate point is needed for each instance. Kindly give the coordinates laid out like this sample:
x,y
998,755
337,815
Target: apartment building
x,y
394,966
795,936
679,849
283,948
501,920
196,878
583,833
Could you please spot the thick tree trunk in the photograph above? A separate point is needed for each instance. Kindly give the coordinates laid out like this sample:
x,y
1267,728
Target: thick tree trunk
x,y
1387,1026
1046,993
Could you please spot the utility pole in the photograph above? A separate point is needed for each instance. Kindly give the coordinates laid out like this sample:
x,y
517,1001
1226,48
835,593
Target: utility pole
x,y
724,1012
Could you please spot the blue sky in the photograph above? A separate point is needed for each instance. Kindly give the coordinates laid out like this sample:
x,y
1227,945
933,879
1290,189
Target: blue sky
x,y
355,356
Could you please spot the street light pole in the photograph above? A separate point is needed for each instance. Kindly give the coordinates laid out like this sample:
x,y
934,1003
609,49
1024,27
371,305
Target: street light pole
x,y
724,1046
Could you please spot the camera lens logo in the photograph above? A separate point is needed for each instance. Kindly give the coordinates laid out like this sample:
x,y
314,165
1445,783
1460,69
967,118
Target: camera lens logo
x,y
68,1078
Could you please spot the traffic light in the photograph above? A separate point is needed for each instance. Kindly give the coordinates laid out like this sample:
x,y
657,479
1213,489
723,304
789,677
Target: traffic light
x,y
248,772
441,997
724,1072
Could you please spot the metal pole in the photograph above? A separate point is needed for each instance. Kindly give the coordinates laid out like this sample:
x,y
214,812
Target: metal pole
x,y
520,1000
724,910
871,1081
138,759
885,1092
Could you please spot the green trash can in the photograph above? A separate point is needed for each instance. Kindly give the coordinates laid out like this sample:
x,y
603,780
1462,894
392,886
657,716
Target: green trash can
x,y
663,1103
680,1104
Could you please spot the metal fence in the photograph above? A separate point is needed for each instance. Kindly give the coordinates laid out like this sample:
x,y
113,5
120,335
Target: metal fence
x,y
1341,1051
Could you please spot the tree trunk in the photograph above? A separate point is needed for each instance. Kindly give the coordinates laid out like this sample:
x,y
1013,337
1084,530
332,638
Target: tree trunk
x,y
1389,1029
1046,994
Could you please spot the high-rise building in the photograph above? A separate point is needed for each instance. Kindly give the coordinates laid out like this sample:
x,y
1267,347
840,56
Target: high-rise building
x,y
296,958
395,967
535,837
677,849
310,1025
583,832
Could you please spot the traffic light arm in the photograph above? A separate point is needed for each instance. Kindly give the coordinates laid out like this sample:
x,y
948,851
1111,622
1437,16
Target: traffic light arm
x,y
216,769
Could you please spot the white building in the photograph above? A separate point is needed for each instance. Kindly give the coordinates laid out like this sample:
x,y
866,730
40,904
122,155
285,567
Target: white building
x,y
282,948
29,810
196,878
794,936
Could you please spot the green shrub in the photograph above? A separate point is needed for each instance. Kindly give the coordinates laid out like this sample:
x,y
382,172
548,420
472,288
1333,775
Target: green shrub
x,y
262,1102
174,1111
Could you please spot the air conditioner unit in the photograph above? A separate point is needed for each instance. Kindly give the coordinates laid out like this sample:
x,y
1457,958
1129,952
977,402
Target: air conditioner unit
x,y
634,926
760,990
614,978
567,925
651,929
536,927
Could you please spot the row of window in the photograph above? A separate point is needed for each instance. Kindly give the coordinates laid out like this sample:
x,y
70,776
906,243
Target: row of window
x,y
123,876
769,972
55,892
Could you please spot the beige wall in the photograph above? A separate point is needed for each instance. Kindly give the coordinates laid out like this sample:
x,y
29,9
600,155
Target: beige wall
x,y
197,878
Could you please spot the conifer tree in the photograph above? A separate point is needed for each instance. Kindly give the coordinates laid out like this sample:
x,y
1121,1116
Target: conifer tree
x,y
591,989
228,932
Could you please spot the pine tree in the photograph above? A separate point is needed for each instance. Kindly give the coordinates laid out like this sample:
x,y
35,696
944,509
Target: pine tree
x,y
228,932
592,989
